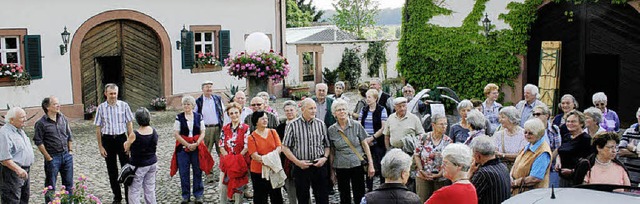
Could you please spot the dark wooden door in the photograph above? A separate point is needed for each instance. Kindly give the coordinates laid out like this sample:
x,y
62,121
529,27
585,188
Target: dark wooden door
x,y
138,71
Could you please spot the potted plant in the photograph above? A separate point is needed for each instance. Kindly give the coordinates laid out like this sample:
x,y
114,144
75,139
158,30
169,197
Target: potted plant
x,y
89,111
299,95
13,72
159,104
258,68
330,78
296,87
207,60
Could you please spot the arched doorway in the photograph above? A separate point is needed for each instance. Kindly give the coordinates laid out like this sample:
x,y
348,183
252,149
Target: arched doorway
x,y
123,52
136,26
599,52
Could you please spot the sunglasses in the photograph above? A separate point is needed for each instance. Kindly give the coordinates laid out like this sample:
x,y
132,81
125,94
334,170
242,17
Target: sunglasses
x,y
599,104
256,104
536,114
528,133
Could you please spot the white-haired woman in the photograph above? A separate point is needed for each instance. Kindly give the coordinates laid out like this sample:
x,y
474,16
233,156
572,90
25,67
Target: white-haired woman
x,y
396,168
459,132
428,158
339,88
456,163
510,138
477,122
610,121
553,138
531,168
267,108
567,104
593,117
490,107
348,151
188,129
574,146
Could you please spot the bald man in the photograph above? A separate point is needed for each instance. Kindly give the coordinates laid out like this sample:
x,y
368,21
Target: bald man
x,y
258,104
241,99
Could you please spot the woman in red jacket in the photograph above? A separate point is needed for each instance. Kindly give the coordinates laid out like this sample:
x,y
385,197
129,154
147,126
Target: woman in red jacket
x,y
233,156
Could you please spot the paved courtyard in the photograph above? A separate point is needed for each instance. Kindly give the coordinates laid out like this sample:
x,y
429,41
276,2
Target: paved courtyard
x,y
88,162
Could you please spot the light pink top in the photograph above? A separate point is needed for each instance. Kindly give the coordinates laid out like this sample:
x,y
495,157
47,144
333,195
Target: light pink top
x,y
512,143
610,174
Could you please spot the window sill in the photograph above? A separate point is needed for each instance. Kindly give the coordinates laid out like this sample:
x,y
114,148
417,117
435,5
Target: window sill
x,y
206,68
6,81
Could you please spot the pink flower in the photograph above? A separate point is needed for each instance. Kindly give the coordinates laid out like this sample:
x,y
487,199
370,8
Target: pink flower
x,y
200,54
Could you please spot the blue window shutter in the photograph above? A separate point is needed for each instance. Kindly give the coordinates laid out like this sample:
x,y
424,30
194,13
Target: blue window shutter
x,y
225,45
188,53
33,56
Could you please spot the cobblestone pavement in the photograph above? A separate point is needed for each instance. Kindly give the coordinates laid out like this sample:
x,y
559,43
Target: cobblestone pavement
x,y
88,162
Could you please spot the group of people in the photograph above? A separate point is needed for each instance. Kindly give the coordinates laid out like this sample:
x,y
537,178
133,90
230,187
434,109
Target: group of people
x,y
491,154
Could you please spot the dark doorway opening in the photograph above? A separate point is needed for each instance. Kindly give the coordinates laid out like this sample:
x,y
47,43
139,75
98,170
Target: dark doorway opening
x,y
111,71
602,75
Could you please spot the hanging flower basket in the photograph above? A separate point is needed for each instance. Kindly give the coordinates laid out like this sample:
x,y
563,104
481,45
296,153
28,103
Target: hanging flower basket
x,y
265,65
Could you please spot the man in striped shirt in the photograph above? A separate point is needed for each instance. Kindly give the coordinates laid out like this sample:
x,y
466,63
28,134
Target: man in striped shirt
x,y
113,123
488,174
306,144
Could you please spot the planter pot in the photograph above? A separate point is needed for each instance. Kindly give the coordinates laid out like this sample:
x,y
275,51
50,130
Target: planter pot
x,y
292,90
256,85
88,116
159,108
6,79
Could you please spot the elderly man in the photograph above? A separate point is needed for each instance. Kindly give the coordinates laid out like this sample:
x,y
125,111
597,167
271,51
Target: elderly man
x,y
53,138
629,150
401,127
16,156
241,99
384,99
306,144
257,104
488,174
525,107
113,123
409,92
211,108
324,105
396,169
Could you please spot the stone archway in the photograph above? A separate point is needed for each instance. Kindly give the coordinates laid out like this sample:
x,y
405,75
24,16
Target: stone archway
x,y
113,15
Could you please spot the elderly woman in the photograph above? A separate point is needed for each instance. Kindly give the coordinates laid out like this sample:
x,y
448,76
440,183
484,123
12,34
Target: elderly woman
x,y
593,117
372,118
477,123
610,121
553,138
567,104
348,146
264,145
233,155
456,163
531,168
575,145
510,138
491,108
291,113
602,167
396,169
460,131
265,96
142,148
338,88
428,158
188,128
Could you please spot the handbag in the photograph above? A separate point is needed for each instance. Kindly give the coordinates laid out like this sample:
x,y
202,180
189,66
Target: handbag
x,y
127,174
363,162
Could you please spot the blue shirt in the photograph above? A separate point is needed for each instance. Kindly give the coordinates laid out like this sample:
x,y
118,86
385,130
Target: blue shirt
x,y
541,163
15,145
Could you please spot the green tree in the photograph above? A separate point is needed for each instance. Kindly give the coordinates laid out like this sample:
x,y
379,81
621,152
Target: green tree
x,y
297,17
311,9
354,15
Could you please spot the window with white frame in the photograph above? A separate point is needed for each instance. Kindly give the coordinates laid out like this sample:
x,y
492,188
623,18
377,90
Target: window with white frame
x,y
9,49
204,42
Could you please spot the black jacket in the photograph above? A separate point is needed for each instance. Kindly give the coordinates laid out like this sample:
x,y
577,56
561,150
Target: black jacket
x,y
392,193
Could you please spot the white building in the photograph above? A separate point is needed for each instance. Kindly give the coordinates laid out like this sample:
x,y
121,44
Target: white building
x,y
136,44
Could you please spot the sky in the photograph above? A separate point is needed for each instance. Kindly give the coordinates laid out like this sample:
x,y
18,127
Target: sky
x,y
326,4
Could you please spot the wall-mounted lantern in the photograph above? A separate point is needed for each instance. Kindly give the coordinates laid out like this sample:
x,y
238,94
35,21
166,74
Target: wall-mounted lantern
x,y
65,41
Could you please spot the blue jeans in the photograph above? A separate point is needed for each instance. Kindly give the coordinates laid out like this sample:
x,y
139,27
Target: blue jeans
x,y
63,163
186,160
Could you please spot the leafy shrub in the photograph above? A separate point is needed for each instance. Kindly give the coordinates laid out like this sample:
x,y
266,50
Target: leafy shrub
x,y
349,68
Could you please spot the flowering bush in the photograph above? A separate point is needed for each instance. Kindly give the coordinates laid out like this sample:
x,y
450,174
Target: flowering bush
x,y
159,103
79,194
265,65
14,71
206,58
90,108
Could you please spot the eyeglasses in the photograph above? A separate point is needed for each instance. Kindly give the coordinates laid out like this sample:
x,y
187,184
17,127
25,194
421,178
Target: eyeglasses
x,y
612,147
536,114
341,109
256,104
528,132
600,104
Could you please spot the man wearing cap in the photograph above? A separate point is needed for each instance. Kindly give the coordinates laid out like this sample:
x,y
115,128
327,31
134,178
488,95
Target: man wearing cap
x,y
401,125
211,108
